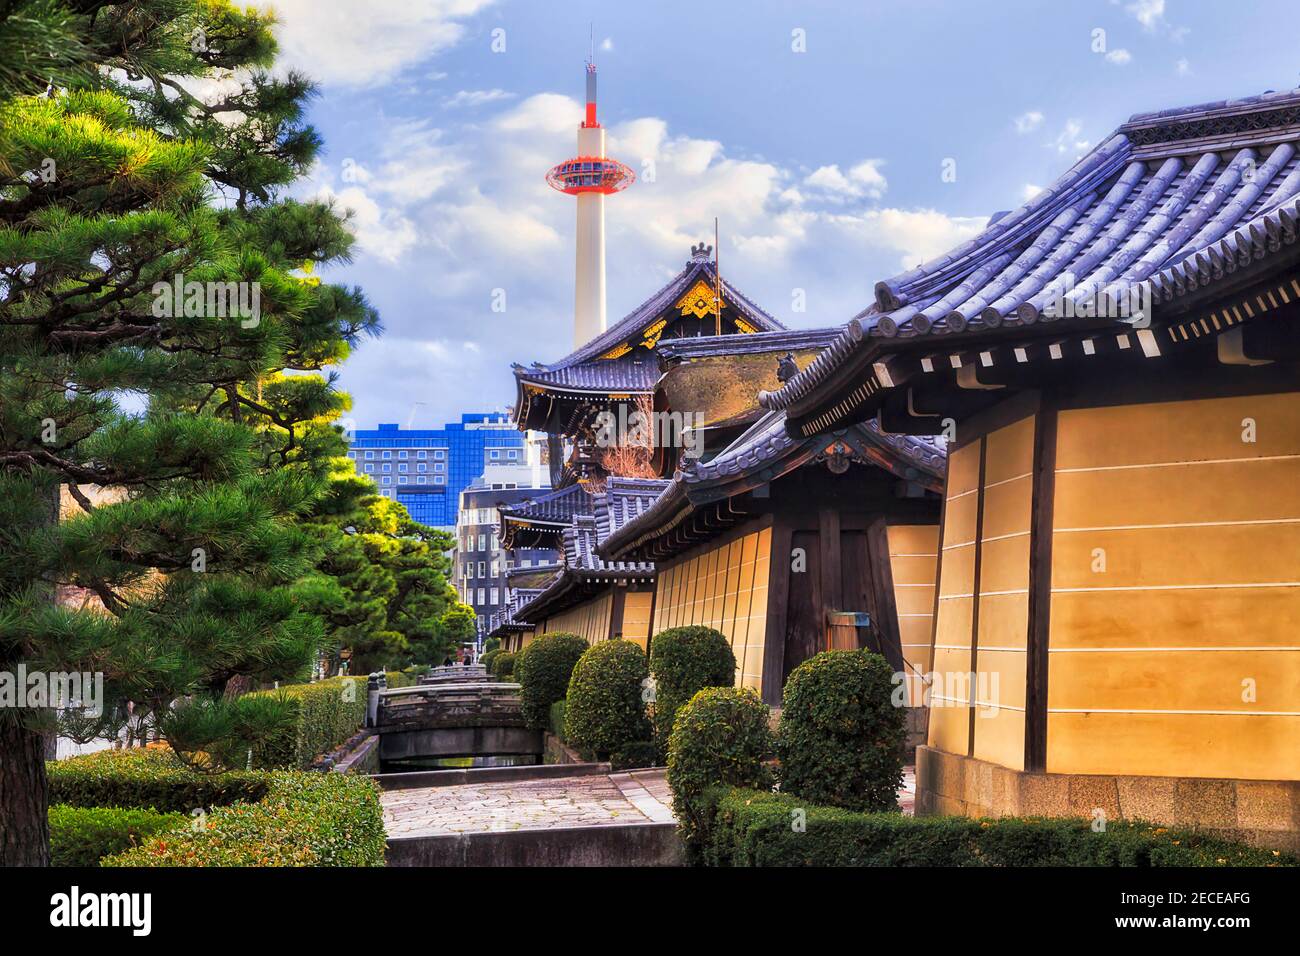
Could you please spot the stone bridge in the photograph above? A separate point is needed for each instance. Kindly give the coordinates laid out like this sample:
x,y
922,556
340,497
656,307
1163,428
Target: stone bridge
x,y
453,712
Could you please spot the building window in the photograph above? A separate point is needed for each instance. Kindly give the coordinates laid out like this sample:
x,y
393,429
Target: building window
x,y
482,565
512,454
352,454
387,467
421,454
419,480
370,469
401,480
495,595
439,480
387,480
387,454
440,453
482,596
439,466
402,467
482,541
370,454
494,455
401,454
421,467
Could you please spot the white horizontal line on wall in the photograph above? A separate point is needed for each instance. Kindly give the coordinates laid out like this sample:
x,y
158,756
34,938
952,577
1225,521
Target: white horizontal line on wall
x,y
1002,537
962,494
1138,650
1180,524
1007,481
1182,587
1177,464
913,554
1190,713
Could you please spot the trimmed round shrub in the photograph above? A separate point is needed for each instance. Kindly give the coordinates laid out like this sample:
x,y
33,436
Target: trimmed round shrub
x,y
605,708
840,741
503,665
684,661
719,740
543,669
488,657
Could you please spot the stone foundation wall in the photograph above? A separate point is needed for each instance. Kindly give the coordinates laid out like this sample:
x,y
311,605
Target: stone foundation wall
x,y
1259,812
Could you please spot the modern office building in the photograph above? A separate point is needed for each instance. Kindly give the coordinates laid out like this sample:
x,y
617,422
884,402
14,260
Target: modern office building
x,y
427,468
482,563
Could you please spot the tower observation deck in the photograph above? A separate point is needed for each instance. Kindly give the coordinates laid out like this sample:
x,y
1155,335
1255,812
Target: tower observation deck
x,y
590,177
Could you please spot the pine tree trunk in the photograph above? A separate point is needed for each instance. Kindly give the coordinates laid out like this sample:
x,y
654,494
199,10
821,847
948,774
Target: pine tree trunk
x,y
24,825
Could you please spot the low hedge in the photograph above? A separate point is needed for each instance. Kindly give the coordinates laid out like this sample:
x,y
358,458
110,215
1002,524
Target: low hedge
x,y
148,777
757,828
605,709
720,738
543,669
684,661
840,739
306,819
329,713
488,657
503,665
80,836
556,720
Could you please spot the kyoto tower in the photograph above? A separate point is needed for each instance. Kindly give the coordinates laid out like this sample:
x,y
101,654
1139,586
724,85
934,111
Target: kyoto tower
x,y
590,176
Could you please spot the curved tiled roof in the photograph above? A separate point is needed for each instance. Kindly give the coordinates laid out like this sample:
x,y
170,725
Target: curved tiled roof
x,y
556,506
764,453
1173,201
706,346
622,501
583,369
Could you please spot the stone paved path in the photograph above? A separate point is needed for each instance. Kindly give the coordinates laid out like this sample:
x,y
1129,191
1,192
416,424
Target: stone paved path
x,y
638,796
527,804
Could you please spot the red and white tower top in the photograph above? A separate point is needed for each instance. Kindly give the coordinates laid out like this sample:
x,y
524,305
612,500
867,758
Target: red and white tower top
x,y
590,177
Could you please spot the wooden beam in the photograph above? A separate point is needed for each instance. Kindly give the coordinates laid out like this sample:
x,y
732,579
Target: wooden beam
x,y
778,600
1040,586
882,583
975,593
828,525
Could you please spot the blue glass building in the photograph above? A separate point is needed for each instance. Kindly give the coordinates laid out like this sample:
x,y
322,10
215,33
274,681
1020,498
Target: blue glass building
x,y
427,468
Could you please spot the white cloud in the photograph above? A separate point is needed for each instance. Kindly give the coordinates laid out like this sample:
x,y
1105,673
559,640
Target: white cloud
x,y
1119,56
473,98
607,44
1027,122
862,181
1070,139
1149,13
339,44
1028,191
1183,67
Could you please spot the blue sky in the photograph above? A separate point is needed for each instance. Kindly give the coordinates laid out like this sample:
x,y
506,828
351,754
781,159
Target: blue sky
x,y
825,166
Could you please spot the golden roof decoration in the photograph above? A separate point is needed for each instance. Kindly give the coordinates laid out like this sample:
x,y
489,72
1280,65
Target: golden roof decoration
x,y
700,301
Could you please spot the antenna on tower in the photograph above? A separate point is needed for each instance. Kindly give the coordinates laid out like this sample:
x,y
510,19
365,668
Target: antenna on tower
x,y
591,41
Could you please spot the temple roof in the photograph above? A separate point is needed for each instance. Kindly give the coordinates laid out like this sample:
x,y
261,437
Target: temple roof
x,y
504,621
612,362
622,500
766,452
548,513
1173,202
710,346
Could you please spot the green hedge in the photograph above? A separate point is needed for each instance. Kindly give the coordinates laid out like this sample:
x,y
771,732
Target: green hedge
x,y
635,756
684,661
840,740
556,724
543,669
152,778
80,836
605,708
306,819
503,665
756,828
328,713
721,737
488,657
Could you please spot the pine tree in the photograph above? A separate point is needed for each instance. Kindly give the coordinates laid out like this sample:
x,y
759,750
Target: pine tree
x,y
191,556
